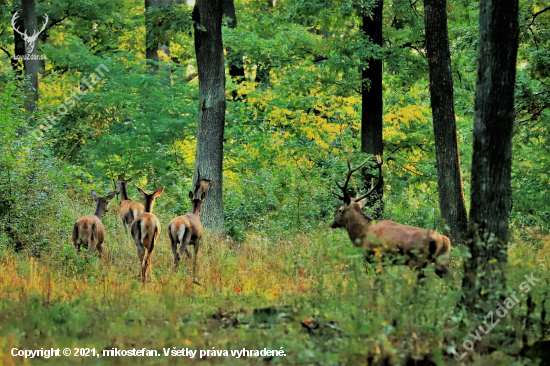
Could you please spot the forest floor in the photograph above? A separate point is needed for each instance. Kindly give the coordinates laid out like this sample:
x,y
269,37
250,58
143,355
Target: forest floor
x,y
309,295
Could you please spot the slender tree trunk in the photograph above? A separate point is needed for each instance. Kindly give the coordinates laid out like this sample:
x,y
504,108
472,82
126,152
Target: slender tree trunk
x,y
263,69
484,280
451,193
372,102
234,59
207,16
152,46
19,50
31,66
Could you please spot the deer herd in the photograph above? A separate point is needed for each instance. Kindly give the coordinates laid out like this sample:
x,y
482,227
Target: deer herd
x,y
144,226
383,240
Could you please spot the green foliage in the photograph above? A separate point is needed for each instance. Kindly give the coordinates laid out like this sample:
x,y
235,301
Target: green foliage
x,y
295,121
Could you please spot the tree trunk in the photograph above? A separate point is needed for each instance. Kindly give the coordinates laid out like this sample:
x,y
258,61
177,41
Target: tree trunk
x,y
263,69
31,66
19,50
152,46
449,182
372,102
484,280
234,59
207,15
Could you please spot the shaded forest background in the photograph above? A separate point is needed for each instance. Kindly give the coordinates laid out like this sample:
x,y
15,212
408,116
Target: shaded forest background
x,y
291,121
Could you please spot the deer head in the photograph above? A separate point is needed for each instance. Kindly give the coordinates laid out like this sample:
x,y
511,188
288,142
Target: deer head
x,y
149,198
29,40
121,186
352,206
196,203
102,203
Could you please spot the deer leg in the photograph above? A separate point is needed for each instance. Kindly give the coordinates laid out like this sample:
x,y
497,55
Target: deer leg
x,y
441,271
195,280
148,259
420,278
141,250
99,254
184,240
174,245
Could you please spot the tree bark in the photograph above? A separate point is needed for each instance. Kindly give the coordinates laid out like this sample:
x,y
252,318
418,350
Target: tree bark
x,y
484,280
31,66
372,104
19,49
449,179
207,15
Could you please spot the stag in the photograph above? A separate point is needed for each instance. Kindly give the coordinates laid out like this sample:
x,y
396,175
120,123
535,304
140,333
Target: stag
x,y
146,230
89,229
420,247
29,40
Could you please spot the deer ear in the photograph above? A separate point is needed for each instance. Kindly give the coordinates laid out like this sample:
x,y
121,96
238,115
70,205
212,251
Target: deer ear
x,y
111,196
94,196
121,177
203,196
362,203
141,191
158,193
191,195
129,180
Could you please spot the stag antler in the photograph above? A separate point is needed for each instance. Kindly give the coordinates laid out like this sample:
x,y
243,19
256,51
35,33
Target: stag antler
x,y
344,188
379,162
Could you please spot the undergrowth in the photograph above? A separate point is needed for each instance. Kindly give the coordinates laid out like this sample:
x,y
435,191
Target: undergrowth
x,y
309,293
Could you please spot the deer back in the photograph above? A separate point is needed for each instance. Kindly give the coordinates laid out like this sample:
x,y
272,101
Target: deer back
x,y
130,210
147,228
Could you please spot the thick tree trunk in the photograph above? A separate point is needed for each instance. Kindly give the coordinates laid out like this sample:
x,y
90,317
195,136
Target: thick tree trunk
x,y
451,193
234,59
31,66
484,280
207,15
372,102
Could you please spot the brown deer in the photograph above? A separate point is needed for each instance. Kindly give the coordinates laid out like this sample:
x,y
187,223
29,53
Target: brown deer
x,y
129,210
420,247
145,230
187,230
89,229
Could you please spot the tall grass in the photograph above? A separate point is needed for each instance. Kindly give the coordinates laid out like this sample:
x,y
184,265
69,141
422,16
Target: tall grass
x,y
262,292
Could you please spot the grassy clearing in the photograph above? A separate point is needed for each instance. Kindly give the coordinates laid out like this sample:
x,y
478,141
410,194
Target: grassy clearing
x,y
307,293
